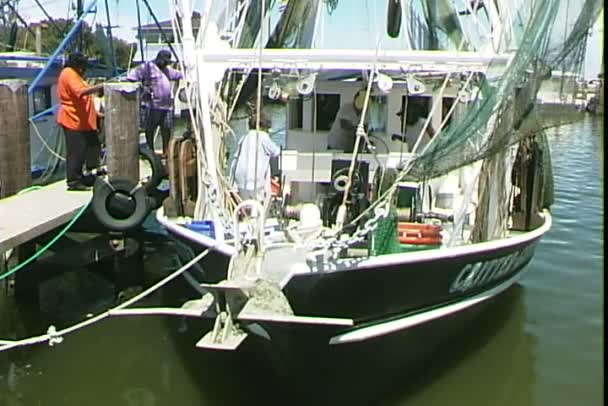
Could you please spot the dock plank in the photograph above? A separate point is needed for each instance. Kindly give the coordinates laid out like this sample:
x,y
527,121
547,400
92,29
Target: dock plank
x,y
27,216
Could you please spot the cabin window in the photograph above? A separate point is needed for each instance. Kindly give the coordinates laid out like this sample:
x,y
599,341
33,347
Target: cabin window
x,y
327,109
417,107
377,113
41,99
296,112
446,106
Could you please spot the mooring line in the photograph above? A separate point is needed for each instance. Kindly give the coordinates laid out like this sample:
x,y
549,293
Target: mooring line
x,y
55,337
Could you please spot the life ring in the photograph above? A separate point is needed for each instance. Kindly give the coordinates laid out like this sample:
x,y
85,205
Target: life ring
x,y
119,204
275,187
156,165
419,234
420,227
420,240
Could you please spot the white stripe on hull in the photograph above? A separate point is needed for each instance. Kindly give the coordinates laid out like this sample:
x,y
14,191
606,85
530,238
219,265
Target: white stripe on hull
x,y
392,326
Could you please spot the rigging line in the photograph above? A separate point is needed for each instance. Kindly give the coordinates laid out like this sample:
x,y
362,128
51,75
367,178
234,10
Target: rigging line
x,y
392,188
259,100
314,144
404,107
61,31
110,39
139,36
43,141
464,32
27,27
359,130
160,28
53,336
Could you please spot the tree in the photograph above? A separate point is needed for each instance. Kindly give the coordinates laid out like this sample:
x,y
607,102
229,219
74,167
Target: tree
x,y
95,43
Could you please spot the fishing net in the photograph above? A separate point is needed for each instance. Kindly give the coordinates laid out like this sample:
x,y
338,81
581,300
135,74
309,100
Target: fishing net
x,y
547,42
385,239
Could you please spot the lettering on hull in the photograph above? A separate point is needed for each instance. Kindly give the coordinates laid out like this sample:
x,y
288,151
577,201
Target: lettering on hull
x,y
480,273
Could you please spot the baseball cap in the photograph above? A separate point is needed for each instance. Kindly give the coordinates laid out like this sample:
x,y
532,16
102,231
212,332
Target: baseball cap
x,y
163,55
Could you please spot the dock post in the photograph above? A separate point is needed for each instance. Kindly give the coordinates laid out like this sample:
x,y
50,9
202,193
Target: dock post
x,y
15,175
122,130
15,161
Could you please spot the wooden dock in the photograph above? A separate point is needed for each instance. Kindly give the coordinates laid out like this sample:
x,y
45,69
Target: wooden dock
x,y
26,216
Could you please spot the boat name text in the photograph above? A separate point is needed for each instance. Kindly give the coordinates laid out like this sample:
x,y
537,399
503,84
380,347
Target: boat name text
x,y
478,273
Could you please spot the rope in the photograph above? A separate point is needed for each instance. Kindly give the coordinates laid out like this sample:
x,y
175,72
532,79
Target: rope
x,y
28,189
55,337
49,244
53,152
259,100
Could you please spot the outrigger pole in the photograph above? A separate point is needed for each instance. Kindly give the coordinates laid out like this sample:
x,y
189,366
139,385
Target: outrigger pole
x,y
70,35
18,16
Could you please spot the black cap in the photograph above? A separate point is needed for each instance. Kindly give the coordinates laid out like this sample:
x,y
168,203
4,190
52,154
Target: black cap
x,y
163,55
77,60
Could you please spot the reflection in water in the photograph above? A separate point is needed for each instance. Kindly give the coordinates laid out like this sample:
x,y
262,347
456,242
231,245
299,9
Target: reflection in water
x,y
492,364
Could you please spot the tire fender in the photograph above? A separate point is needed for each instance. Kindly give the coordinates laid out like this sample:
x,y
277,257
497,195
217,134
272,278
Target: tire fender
x,y
120,204
158,169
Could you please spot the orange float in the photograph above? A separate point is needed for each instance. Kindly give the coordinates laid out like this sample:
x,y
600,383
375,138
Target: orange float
x,y
419,234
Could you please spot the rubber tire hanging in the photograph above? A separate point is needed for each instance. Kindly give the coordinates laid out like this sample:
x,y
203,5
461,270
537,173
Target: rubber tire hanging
x,y
120,204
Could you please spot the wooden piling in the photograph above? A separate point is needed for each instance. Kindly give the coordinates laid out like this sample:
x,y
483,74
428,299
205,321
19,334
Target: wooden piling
x,y
15,161
15,175
121,122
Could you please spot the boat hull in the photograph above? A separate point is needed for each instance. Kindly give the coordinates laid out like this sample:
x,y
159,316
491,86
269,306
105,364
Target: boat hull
x,y
385,294
301,369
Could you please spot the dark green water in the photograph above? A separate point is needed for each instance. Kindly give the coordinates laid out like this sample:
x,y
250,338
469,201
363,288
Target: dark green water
x,y
543,345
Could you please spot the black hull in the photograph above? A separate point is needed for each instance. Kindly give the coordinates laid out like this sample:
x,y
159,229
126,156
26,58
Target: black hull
x,y
404,308
391,292
298,370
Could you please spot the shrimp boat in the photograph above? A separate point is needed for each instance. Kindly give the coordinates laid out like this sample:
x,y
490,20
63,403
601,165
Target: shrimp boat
x,y
386,236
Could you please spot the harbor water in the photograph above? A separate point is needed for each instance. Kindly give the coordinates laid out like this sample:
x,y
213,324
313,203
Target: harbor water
x,y
541,345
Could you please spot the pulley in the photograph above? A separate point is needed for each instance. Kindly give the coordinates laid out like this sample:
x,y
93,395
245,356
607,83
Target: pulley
x,y
306,85
415,86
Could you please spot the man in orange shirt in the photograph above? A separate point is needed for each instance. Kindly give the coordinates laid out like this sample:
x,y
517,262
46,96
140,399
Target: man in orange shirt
x,y
78,117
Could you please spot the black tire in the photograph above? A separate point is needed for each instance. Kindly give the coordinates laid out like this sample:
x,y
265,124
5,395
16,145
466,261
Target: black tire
x,y
158,170
119,204
156,198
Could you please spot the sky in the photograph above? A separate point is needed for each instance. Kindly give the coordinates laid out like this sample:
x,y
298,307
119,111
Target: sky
x,y
123,13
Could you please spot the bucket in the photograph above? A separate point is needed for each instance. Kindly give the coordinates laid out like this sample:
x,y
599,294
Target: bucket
x,y
205,227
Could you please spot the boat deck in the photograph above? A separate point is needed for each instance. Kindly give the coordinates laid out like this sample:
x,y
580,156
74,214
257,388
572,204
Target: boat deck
x,y
26,216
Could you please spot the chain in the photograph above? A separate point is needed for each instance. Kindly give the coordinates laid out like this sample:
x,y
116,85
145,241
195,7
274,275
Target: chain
x,y
335,245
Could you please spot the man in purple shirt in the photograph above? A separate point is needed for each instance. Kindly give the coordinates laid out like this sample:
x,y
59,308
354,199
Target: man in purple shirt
x,y
157,97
